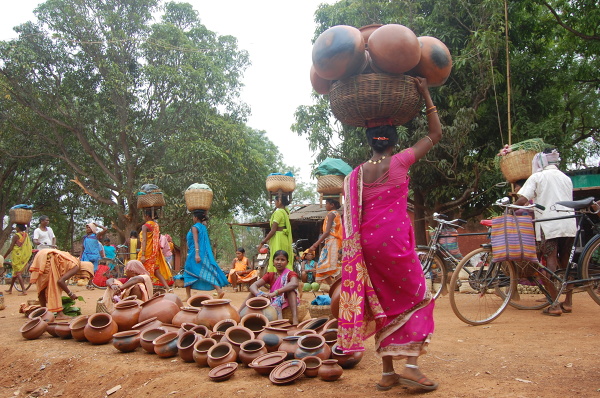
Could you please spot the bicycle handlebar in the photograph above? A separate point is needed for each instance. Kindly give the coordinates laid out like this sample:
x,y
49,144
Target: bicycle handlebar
x,y
441,218
505,202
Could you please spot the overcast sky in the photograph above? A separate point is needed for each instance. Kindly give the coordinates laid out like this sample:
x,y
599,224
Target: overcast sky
x,y
276,33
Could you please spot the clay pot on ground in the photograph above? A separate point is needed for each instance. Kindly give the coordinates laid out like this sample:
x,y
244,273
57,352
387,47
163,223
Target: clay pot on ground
x,y
77,326
33,328
163,310
100,328
338,52
214,311
346,361
165,346
331,324
312,366
312,345
394,48
126,314
334,293
185,345
289,345
255,322
330,370
63,330
197,299
304,332
201,348
280,323
51,329
127,340
224,324
185,327
220,353
186,315
260,305
251,349
174,298
236,336
169,327
272,337
151,323
317,324
201,330
148,336
435,63
330,336
42,312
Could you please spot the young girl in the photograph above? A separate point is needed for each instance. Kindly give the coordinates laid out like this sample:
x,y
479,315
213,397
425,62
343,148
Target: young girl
x,y
20,246
92,250
308,270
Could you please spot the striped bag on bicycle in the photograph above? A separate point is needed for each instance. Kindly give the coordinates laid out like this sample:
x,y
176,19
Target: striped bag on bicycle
x,y
513,238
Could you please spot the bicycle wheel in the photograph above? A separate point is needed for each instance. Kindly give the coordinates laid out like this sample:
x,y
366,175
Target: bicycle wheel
x,y
435,272
485,288
529,294
590,267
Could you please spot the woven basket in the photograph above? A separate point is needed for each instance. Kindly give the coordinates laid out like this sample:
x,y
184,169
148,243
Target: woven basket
x,y
317,311
20,216
516,165
302,311
374,96
150,200
198,199
330,184
280,182
100,307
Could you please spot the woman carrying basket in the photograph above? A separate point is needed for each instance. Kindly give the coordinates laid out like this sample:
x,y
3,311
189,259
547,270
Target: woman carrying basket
x,y
280,235
150,253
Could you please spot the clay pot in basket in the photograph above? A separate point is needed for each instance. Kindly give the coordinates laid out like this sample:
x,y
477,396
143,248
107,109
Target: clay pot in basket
x,y
220,353
77,326
272,337
151,323
320,85
255,322
126,341
201,348
165,346
185,345
33,328
260,305
237,335
42,312
63,330
394,48
339,52
147,338
435,63
197,299
100,328
186,315
163,310
126,314
312,345
251,349
330,370
346,361
367,30
214,311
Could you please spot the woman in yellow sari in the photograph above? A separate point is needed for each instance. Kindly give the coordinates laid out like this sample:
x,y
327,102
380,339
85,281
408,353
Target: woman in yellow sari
x,y
150,253
20,247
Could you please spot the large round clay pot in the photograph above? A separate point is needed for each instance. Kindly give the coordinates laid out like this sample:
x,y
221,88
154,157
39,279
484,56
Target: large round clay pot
x,y
186,315
260,305
100,328
224,324
201,348
339,52
312,345
394,48
304,332
330,336
133,298
197,299
367,30
251,349
272,337
77,326
435,63
214,311
312,366
42,312
330,370
346,361
126,341
289,345
174,298
63,330
33,328
221,353
255,322
237,335
147,338
126,314
151,323
320,85
334,293
163,310
165,346
185,345
51,329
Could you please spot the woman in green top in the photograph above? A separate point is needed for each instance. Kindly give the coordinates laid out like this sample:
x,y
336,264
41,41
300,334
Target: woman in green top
x,y
280,235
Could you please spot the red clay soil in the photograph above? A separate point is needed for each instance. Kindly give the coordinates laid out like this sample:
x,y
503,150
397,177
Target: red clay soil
x,y
521,354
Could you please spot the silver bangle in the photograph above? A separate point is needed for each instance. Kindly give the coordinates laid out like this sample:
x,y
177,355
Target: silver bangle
x,y
430,140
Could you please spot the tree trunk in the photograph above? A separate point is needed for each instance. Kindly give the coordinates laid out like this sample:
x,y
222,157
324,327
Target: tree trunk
x,y
420,225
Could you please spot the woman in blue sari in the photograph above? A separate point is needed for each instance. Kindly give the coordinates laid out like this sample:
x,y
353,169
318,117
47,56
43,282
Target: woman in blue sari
x,y
201,270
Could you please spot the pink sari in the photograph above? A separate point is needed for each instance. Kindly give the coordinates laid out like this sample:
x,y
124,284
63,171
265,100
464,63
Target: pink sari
x,y
383,286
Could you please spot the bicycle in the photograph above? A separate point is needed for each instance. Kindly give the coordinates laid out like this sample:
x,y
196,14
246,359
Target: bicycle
x,y
26,275
493,284
116,267
297,260
435,257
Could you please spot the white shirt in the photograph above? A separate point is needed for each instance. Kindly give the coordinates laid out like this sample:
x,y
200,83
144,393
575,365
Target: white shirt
x,y
44,237
547,187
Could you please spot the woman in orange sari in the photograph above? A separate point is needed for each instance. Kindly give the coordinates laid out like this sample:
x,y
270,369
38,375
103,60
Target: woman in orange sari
x,y
328,267
150,253
240,271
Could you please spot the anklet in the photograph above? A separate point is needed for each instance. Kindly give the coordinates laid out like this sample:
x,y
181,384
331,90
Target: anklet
x,y
408,365
388,373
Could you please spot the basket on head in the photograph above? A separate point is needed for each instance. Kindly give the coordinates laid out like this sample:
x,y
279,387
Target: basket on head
x,y
281,182
156,199
516,165
198,199
375,96
317,311
20,216
330,184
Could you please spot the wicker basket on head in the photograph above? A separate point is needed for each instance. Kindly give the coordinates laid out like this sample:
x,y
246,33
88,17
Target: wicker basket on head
x,y
317,311
20,216
150,200
375,96
330,184
280,182
516,165
198,199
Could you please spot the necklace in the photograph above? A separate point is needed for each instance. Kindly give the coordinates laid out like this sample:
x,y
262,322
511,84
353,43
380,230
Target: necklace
x,y
376,161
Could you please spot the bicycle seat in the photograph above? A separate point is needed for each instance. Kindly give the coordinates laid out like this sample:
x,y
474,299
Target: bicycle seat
x,y
486,222
577,204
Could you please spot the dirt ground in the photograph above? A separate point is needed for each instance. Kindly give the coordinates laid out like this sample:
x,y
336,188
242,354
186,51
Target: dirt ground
x,y
521,354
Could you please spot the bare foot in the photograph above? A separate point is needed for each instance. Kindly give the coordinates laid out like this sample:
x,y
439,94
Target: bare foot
x,y
8,291
22,294
221,294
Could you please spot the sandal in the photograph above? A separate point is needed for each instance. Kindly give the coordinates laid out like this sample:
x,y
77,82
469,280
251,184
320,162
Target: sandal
x,y
418,383
547,312
565,310
387,388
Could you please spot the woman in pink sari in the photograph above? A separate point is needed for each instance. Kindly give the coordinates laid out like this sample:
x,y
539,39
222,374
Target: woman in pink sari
x,y
383,289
